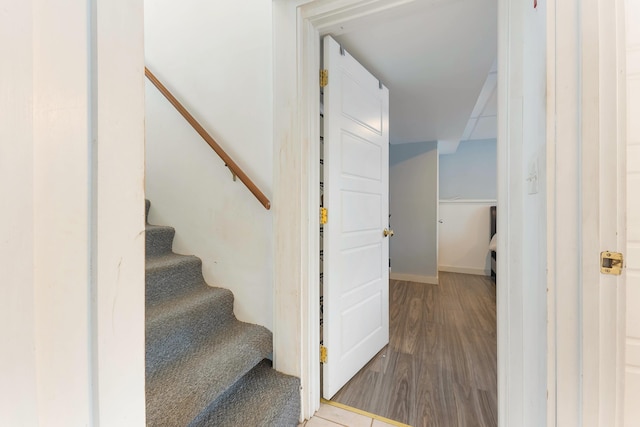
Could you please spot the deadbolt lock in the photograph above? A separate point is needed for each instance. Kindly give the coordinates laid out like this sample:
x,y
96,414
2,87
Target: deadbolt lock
x,y
611,263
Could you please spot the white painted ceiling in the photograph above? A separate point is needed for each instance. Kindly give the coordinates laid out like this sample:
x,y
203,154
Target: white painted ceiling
x,y
435,56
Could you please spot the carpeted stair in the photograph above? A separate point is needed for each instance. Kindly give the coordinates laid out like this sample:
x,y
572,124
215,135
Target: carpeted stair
x,y
203,366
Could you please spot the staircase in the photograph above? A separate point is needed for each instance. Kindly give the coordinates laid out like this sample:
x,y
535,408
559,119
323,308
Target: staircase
x,y
203,366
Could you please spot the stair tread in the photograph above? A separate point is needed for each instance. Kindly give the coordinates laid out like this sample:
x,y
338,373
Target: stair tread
x,y
155,228
203,294
263,397
169,261
182,389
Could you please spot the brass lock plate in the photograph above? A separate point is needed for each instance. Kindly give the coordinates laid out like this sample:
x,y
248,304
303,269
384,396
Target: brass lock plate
x,y
611,263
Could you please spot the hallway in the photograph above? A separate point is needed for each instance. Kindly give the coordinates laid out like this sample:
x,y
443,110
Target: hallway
x,y
439,368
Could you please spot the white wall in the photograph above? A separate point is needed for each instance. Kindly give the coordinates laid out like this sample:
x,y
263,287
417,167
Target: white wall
x,y
471,172
72,248
18,384
468,186
216,57
464,236
413,205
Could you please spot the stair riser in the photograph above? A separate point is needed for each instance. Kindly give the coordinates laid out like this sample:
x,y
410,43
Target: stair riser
x,y
159,241
173,336
165,283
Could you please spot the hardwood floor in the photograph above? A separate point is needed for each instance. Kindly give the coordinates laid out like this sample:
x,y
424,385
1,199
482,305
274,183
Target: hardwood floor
x,y
439,368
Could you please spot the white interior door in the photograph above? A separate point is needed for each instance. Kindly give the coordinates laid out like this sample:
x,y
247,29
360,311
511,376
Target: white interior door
x,y
632,341
356,187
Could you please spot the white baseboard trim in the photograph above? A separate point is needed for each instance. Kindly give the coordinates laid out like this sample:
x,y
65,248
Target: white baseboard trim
x,y
464,270
433,280
489,202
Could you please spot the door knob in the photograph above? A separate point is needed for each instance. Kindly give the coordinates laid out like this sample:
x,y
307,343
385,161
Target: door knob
x,y
387,232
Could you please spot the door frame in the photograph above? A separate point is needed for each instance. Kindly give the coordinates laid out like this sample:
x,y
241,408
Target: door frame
x,y
559,397
585,153
298,26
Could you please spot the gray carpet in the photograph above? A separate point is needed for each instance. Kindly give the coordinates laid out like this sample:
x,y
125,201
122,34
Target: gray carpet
x,y
203,366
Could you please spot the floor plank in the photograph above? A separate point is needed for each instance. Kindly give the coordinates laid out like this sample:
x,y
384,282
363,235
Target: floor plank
x,y
439,368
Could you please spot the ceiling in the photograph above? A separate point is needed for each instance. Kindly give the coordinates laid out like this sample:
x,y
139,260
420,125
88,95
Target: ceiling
x,y
437,59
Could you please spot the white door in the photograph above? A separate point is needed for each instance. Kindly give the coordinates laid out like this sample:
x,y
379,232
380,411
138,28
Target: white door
x,y
632,341
356,187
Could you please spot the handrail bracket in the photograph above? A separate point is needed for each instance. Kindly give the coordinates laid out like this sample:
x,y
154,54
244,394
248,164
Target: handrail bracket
x,y
233,174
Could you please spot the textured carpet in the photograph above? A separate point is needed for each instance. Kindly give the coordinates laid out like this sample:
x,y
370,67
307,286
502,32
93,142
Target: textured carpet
x,y
203,366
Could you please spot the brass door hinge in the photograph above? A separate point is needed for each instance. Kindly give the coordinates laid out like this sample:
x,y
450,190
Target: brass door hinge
x,y
323,215
324,78
323,354
611,263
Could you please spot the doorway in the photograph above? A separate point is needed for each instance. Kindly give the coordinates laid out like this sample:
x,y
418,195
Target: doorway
x,y
297,33
416,166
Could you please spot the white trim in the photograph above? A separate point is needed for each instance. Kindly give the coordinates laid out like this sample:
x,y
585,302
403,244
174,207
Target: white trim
x,y
289,214
624,138
552,177
465,270
509,397
433,280
117,197
438,213
469,201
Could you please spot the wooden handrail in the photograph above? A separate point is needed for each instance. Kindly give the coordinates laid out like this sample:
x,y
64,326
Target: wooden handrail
x,y
233,167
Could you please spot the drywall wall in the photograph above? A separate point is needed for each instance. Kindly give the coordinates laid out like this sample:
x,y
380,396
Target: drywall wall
x,y
470,172
468,186
73,249
413,206
217,59
463,239
18,387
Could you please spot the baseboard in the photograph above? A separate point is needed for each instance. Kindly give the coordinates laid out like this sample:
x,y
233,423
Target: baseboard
x,y
433,280
465,270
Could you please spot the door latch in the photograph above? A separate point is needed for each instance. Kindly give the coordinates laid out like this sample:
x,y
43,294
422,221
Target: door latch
x,y
611,263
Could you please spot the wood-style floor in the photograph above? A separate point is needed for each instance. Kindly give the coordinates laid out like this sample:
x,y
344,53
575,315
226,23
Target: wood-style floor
x,y
439,368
